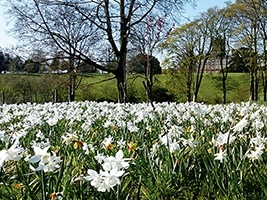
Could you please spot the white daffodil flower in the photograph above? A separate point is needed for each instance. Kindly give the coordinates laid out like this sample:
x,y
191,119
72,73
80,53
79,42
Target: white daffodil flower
x,y
221,156
12,154
69,137
240,125
100,157
108,143
113,169
117,162
39,153
95,179
48,162
224,138
121,143
3,157
256,153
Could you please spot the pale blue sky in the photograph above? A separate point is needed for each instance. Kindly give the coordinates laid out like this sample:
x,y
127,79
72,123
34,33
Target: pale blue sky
x,y
7,41
202,6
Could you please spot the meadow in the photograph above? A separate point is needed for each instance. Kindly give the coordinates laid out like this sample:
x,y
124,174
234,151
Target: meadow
x,y
101,150
166,87
40,88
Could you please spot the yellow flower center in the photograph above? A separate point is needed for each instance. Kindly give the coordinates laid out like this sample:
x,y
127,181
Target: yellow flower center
x,y
132,146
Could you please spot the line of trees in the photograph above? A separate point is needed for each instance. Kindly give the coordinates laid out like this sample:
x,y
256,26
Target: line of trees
x,y
92,32
38,63
236,36
108,35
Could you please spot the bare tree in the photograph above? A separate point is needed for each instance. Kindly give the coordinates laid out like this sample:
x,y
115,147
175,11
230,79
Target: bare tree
x,y
104,25
147,38
57,29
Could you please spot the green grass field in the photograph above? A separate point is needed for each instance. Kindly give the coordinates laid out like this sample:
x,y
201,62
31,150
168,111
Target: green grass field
x,y
99,87
210,90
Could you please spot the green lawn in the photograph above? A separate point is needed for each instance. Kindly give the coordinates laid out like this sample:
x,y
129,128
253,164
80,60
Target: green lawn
x,y
237,83
99,87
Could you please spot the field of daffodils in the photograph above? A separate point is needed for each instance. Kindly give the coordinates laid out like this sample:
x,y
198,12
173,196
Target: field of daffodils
x,y
89,150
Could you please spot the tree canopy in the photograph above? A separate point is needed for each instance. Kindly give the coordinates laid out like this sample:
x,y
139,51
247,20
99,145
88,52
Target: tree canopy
x,y
88,30
138,64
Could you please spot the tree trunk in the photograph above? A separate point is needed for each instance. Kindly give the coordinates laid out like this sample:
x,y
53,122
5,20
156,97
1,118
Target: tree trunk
x,y
252,81
189,83
256,90
264,79
121,86
199,75
148,83
224,78
195,95
72,78
72,85
265,89
120,75
224,89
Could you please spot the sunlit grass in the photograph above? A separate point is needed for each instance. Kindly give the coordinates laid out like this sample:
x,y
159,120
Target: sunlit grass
x,y
99,87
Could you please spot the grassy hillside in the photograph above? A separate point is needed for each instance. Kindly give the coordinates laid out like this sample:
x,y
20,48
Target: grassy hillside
x,y
99,87
237,84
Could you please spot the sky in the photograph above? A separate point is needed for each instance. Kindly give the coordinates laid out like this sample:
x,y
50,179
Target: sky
x,y
202,6
7,41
